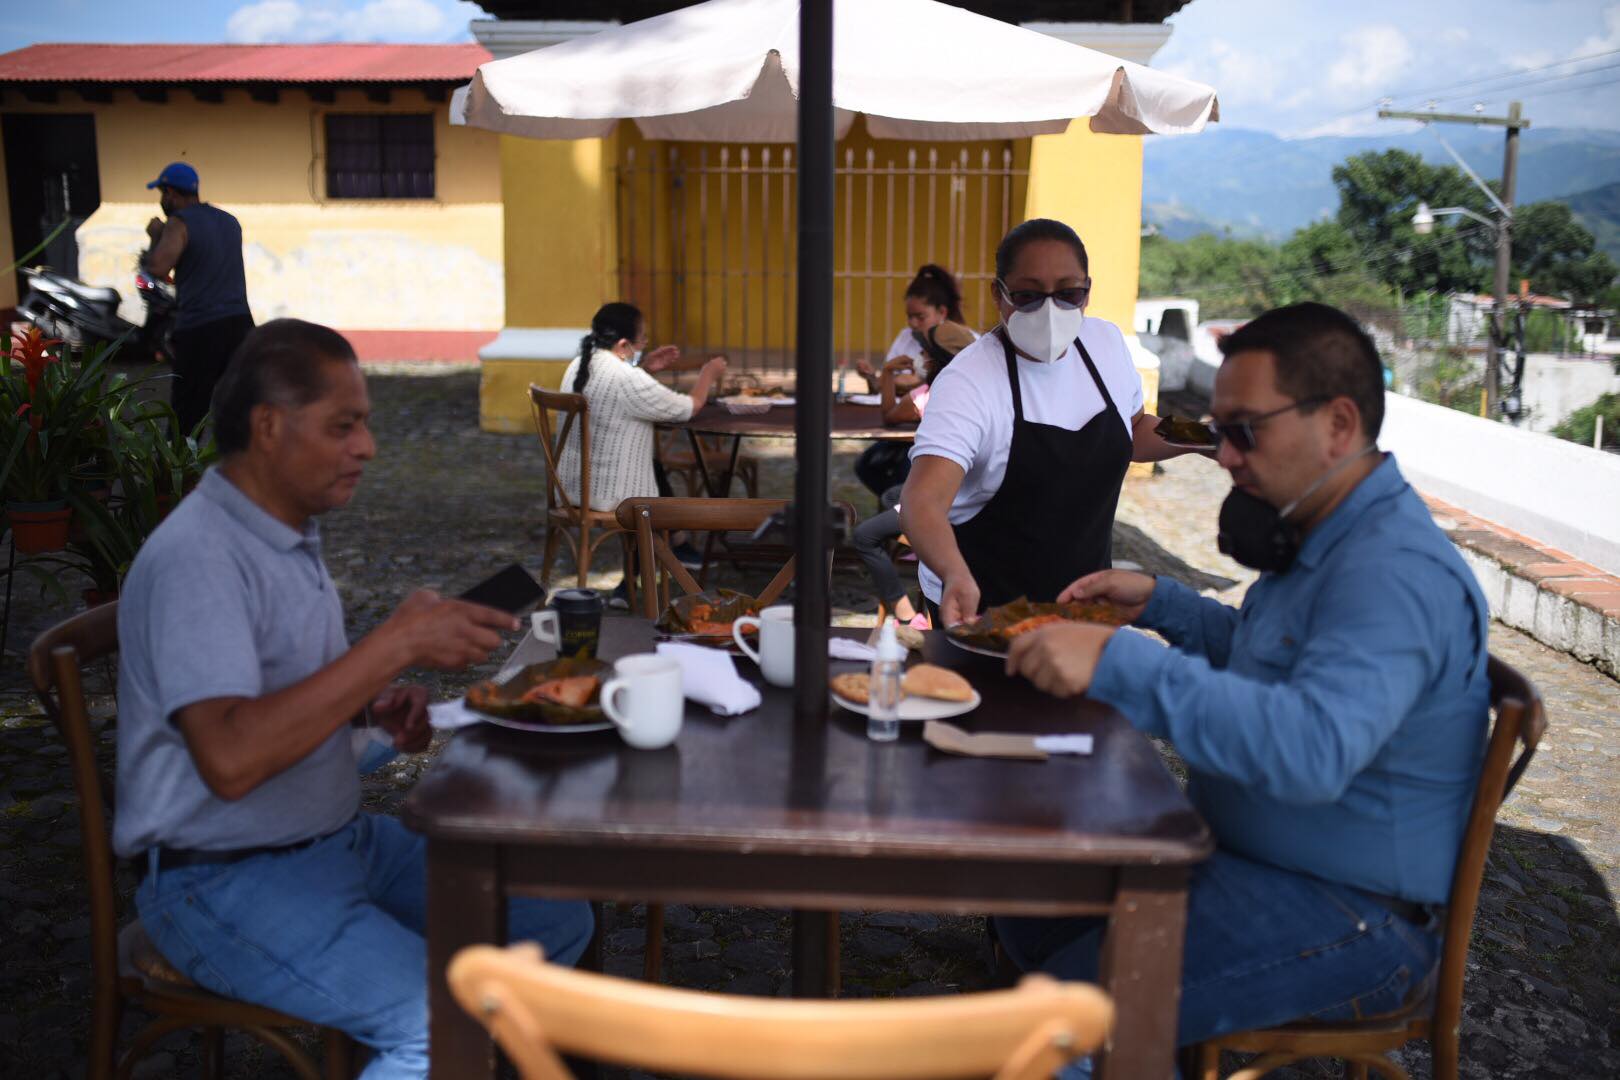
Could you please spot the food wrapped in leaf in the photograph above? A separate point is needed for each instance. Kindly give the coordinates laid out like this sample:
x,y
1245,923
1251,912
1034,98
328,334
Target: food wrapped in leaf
x,y
707,614
1183,431
558,692
996,628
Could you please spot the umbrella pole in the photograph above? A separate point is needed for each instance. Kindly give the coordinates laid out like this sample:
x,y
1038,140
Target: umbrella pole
x,y
814,963
812,608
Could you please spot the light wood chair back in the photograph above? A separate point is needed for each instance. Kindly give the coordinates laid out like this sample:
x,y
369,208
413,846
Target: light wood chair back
x,y
573,413
1521,720
652,521
539,1011
55,667
567,518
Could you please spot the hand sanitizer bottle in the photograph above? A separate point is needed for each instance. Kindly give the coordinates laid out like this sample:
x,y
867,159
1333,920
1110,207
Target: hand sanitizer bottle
x,y
883,694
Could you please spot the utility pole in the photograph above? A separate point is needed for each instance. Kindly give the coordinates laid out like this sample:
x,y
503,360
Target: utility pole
x,y
1514,122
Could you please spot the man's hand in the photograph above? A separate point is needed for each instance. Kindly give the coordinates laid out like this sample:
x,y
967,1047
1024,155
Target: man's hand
x,y
959,600
1059,659
446,635
660,358
154,228
1125,589
402,712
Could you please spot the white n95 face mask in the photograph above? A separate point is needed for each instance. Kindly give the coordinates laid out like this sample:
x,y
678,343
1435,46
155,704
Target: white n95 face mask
x,y
1045,332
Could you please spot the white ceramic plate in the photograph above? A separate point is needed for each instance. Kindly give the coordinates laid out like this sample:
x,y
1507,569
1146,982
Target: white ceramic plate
x,y
777,402
545,729
920,708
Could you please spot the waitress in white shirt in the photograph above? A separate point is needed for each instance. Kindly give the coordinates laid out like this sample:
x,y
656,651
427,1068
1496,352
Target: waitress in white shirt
x,y
1017,466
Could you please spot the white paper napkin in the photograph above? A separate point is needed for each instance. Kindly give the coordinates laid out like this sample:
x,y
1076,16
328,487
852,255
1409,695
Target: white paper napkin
x,y
1064,744
864,399
450,715
710,678
842,648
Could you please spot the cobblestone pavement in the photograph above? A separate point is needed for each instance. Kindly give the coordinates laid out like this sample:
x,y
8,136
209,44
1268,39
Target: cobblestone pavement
x,y
445,504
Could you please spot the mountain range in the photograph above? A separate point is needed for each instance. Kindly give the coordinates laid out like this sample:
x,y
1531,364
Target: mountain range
x,y
1255,184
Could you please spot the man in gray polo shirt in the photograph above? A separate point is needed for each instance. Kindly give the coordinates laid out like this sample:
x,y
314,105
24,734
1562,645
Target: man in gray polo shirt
x,y
238,790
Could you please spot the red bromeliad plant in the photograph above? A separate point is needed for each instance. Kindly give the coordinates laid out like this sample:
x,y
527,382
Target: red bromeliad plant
x,y
50,419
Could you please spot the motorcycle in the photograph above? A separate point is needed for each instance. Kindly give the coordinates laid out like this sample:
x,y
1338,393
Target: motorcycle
x,y
82,315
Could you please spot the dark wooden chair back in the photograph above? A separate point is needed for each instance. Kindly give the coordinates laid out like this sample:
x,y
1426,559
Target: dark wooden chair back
x,y
652,520
55,667
1521,720
572,412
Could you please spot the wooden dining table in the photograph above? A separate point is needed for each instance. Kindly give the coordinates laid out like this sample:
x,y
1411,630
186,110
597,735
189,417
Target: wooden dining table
x,y
849,421
766,810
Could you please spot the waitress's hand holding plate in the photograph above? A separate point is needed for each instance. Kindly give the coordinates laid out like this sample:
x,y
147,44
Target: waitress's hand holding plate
x,y
1125,589
959,599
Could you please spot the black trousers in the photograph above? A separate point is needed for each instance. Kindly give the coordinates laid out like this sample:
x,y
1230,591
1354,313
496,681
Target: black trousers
x,y
200,355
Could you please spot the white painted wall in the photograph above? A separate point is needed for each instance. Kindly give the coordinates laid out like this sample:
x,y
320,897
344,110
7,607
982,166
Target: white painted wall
x,y
1555,386
1561,494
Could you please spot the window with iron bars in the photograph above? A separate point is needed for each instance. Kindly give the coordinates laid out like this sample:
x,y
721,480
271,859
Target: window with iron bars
x,y
379,156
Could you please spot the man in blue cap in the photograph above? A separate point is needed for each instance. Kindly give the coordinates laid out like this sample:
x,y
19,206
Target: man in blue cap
x,y
202,246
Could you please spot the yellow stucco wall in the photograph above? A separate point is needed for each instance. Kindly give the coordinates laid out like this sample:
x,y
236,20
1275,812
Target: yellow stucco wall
x,y
1094,183
403,264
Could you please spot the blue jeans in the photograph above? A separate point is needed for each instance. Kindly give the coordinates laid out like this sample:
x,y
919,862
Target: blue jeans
x,y
331,933
1264,946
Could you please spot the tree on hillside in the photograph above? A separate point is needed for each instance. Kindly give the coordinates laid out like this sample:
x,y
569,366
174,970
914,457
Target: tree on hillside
x,y
1378,194
1558,255
1323,262
1229,278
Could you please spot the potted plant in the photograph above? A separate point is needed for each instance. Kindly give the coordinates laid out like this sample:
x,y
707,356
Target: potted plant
x,y
48,415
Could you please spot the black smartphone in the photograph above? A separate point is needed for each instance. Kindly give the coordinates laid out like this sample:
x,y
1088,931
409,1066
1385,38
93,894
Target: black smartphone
x,y
511,590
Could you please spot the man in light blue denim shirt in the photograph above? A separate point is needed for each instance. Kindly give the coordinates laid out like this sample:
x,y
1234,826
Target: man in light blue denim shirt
x,y
1333,726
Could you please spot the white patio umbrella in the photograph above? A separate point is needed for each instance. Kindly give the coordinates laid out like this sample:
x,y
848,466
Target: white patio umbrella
x,y
729,71
734,71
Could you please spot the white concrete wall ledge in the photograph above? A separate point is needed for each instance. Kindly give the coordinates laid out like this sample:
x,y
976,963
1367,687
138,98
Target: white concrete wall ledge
x,y
1556,492
535,343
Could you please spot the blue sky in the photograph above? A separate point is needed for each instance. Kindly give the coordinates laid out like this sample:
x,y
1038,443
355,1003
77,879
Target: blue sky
x,y
1294,67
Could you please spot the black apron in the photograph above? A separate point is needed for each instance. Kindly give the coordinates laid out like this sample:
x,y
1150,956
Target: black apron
x,y
1052,519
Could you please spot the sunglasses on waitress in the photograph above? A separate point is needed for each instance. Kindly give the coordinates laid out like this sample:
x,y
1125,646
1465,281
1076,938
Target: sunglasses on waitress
x,y
1028,300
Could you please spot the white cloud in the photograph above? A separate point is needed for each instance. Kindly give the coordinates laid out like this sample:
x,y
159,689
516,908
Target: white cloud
x,y
1238,76
1371,59
334,20
1606,41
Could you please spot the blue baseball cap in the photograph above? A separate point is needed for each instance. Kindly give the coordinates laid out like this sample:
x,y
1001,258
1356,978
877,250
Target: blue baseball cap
x,y
177,175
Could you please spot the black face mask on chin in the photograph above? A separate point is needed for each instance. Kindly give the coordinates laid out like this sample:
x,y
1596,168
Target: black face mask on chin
x,y
1256,534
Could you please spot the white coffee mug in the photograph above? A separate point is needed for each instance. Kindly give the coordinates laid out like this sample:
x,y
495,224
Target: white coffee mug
x,y
653,702
775,653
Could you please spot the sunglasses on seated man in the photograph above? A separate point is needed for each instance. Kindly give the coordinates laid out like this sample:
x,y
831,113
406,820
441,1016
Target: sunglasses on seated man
x,y
1028,300
1241,432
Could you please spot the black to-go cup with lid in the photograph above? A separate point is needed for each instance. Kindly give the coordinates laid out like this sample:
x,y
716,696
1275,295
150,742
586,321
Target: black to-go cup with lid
x,y
574,622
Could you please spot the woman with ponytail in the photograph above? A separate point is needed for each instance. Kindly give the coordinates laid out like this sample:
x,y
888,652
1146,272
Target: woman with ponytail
x,y
932,299
626,403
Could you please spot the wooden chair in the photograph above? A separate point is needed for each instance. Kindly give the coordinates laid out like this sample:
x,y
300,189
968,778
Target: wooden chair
x,y
652,520
1435,1013
537,1011
566,519
675,454
126,967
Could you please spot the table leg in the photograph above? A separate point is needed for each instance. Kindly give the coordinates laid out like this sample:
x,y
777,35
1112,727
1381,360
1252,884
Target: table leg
x,y
815,966
1141,970
466,905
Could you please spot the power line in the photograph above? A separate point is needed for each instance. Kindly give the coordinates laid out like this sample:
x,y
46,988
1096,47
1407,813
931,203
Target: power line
x,y
1514,89
1518,73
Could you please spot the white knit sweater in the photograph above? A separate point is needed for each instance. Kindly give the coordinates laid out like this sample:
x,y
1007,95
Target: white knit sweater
x,y
625,402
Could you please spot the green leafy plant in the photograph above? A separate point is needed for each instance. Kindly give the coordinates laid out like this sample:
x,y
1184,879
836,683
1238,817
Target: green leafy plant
x,y
49,412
